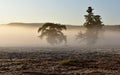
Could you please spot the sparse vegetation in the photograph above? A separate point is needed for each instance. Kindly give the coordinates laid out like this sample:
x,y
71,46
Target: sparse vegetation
x,y
58,62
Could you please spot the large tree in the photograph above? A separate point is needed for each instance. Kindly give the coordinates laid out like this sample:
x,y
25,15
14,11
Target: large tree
x,y
94,28
53,33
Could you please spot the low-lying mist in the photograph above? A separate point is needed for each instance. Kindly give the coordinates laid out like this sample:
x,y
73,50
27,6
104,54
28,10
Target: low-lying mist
x,y
27,36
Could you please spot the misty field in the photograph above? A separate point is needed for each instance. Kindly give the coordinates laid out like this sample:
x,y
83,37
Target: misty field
x,y
27,36
22,52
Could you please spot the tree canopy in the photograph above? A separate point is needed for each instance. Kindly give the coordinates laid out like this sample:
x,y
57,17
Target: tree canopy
x,y
53,33
92,21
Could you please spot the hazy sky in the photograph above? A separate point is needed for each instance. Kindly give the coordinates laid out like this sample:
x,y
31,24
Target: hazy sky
x,y
58,11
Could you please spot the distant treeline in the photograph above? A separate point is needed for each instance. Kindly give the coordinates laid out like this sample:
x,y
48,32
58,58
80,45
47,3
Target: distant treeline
x,y
112,27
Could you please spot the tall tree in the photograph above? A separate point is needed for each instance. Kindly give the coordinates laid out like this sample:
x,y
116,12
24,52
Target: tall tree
x,y
92,21
94,28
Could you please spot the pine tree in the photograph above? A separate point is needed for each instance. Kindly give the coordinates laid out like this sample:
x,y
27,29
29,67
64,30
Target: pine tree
x,y
92,21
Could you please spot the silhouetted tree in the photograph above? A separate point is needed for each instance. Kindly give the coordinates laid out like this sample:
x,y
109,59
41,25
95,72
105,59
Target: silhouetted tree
x,y
93,21
53,33
94,27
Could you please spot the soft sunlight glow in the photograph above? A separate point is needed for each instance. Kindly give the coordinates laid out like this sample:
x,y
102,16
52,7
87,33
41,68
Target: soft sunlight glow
x,y
59,11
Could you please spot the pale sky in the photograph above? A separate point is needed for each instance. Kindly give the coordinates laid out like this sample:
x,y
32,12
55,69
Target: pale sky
x,y
58,11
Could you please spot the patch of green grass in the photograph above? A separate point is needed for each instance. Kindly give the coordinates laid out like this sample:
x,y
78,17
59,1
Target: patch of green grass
x,y
83,62
70,62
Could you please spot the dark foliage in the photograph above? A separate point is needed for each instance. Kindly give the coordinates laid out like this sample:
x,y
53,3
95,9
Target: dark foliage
x,y
92,21
53,33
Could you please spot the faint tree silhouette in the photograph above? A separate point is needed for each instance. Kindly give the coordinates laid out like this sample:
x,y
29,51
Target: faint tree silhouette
x,y
53,33
90,36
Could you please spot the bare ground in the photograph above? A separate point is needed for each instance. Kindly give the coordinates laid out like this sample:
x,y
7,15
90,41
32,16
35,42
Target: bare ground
x,y
46,61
